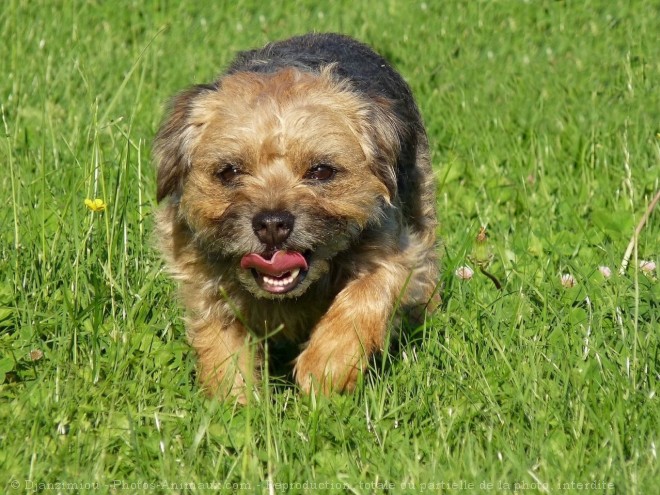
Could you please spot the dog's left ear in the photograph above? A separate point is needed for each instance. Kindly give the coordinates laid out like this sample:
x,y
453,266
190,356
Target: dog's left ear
x,y
389,138
172,145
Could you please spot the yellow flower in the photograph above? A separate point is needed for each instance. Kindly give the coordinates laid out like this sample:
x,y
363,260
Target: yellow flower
x,y
96,205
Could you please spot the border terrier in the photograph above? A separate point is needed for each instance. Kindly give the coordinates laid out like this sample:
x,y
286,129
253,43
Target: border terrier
x,y
297,203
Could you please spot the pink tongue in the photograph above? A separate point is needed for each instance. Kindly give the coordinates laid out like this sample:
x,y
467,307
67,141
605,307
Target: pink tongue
x,y
280,263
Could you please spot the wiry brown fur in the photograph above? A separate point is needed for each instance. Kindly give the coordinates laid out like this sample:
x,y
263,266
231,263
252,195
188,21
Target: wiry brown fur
x,y
372,246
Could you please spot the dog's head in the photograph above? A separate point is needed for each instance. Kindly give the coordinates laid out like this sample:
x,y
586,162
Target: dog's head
x,y
277,173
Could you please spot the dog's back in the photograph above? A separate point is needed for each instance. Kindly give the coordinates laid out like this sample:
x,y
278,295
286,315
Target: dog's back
x,y
368,72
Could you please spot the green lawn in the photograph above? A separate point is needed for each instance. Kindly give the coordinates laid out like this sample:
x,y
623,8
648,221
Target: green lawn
x,y
544,120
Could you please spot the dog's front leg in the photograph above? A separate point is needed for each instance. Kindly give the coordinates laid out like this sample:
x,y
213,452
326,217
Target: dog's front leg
x,y
227,360
351,331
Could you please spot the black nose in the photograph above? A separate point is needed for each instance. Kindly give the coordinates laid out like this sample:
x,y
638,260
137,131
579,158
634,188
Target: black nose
x,y
273,227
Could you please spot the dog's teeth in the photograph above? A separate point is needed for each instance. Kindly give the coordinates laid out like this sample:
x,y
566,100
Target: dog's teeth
x,y
284,281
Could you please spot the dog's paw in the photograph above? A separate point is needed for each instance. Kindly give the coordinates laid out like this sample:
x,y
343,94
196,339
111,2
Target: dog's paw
x,y
333,367
225,382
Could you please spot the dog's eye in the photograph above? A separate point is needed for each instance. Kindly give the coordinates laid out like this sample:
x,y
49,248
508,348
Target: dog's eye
x,y
228,173
321,172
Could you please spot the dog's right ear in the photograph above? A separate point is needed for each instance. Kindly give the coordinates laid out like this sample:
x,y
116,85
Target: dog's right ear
x,y
173,142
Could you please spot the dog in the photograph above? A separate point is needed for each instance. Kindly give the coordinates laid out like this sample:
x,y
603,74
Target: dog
x,y
298,205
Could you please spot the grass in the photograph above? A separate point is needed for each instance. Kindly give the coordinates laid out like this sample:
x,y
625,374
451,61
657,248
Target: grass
x,y
544,119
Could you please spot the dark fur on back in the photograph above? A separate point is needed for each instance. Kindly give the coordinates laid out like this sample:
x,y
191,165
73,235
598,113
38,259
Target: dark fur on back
x,y
369,72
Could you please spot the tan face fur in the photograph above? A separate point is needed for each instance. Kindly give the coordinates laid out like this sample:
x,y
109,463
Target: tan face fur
x,y
253,146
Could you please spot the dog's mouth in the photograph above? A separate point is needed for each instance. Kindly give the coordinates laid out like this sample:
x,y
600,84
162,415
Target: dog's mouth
x,y
280,273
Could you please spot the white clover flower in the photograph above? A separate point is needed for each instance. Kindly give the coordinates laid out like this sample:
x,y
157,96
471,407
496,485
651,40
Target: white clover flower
x,y
605,271
568,280
464,272
647,266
